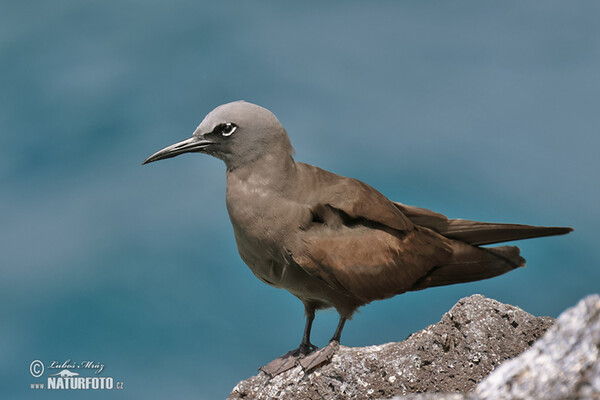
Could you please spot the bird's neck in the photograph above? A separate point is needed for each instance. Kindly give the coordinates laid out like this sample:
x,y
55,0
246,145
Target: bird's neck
x,y
274,171
255,192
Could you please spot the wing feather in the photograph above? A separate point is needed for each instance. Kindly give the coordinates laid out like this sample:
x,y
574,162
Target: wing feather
x,y
355,199
370,264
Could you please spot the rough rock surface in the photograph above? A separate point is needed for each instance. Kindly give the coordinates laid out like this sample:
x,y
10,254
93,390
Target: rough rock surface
x,y
563,364
470,340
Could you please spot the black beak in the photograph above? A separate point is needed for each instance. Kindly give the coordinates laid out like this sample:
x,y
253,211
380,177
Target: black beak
x,y
192,145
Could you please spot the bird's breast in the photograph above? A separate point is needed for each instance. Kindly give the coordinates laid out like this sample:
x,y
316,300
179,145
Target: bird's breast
x,y
264,223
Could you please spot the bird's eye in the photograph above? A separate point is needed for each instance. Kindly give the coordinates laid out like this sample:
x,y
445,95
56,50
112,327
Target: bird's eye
x,y
228,128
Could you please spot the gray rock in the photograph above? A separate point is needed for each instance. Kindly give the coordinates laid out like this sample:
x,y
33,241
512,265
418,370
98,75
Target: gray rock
x,y
563,364
472,339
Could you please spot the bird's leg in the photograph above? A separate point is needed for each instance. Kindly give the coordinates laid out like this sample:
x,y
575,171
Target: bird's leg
x,y
338,331
325,354
290,359
306,346
307,355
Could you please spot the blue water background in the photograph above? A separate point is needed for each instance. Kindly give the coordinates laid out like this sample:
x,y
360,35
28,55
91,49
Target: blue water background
x,y
480,110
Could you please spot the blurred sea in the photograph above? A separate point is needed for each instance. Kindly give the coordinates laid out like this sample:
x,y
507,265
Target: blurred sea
x,y
479,110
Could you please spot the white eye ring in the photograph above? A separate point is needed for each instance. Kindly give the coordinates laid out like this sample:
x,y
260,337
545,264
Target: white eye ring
x,y
228,129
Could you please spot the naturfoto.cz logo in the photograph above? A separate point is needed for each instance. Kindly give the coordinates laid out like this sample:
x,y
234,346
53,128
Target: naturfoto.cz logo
x,y
66,376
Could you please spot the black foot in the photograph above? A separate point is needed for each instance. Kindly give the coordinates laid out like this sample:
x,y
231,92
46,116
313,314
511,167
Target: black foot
x,y
288,360
319,357
307,355
280,364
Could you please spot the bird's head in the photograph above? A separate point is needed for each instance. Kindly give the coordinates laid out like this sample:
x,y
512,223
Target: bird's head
x,y
237,133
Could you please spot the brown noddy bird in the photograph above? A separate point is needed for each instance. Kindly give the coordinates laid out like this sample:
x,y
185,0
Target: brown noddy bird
x,y
334,241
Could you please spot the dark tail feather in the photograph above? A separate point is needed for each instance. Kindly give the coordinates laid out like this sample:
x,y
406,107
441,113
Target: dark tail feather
x,y
471,264
480,233
475,232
